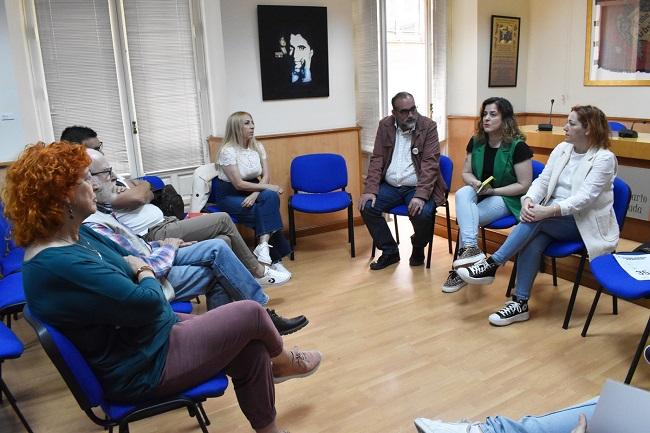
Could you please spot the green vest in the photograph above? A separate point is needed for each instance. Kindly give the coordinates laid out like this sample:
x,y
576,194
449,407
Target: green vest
x,y
503,172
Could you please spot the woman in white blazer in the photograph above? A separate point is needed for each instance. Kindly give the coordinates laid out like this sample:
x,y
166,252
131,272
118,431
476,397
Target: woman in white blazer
x,y
572,199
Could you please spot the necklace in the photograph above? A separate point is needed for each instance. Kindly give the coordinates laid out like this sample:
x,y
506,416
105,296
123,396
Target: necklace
x,y
87,246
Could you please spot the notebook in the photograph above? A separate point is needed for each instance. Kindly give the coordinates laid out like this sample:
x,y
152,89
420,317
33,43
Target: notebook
x,y
621,409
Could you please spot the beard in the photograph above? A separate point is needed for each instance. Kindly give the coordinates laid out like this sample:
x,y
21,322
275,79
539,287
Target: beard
x,y
409,124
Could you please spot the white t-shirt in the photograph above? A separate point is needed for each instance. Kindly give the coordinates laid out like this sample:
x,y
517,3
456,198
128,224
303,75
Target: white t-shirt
x,y
139,220
563,186
248,161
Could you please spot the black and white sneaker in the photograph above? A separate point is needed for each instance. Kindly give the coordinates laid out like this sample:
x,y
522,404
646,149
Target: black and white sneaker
x,y
513,311
646,354
481,272
453,284
468,256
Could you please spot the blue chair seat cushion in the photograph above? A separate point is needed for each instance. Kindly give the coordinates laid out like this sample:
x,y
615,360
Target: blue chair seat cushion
x,y
210,388
401,210
502,223
181,307
321,203
564,248
11,291
12,262
616,281
10,345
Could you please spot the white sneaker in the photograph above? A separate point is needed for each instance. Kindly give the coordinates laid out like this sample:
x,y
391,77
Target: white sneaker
x,y
278,266
424,425
263,253
273,277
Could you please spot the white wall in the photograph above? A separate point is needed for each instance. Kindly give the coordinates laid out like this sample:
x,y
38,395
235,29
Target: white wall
x,y
462,84
556,64
243,82
511,8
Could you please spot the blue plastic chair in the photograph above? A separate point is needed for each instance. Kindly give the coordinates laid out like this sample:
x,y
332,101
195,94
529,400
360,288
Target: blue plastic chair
x,y
613,280
447,171
559,249
182,306
156,183
210,206
10,348
318,181
12,296
89,394
11,256
615,126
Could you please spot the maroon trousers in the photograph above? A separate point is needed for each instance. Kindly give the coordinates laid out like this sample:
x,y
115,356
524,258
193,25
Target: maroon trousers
x,y
238,338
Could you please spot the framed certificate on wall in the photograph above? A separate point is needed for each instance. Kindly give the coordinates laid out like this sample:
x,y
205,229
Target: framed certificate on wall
x,y
504,51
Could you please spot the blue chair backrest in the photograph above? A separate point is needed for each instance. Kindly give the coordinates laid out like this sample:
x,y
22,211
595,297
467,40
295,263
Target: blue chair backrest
x,y
318,173
538,167
615,126
156,182
447,170
71,364
622,197
5,231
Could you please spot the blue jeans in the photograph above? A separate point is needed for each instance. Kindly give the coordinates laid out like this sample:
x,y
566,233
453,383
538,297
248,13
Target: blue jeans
x,y
561,421
263,217
210,267
530,240
387,198
471,213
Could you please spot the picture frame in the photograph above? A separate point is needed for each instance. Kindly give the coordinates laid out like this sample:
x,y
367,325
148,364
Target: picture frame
x,y
293,51
617,43
504,51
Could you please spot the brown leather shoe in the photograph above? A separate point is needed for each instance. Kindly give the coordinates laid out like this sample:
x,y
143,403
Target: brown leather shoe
x,y
302,364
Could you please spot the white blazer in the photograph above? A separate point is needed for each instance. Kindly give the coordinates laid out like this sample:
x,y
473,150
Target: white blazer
x,y
592,195
201,185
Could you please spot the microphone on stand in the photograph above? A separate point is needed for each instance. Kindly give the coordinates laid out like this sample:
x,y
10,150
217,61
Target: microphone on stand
x,y
547,126
629,133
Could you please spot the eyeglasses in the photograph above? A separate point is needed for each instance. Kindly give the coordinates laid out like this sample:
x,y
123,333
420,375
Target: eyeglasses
x,y
108,171
405,111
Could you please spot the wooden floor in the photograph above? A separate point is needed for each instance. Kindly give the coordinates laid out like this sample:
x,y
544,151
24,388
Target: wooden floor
x,y
395,348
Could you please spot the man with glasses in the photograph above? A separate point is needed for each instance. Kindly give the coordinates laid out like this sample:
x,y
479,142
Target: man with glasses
x,y
404,169
185,269
133,209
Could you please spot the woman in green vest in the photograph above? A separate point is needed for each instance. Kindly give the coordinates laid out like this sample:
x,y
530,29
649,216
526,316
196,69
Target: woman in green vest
x,y
497,172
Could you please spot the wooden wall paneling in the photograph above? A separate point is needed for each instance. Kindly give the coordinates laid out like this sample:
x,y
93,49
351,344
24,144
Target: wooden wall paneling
x,y
459,130
282,148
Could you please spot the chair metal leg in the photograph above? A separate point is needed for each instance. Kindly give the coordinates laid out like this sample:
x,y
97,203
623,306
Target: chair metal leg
x,y
351,230
292,232
12,401
433,223
637,355
123,428
396,229
484,240
513,276
457,246
554,269
448,226
202,413
574,292
614,305
591,311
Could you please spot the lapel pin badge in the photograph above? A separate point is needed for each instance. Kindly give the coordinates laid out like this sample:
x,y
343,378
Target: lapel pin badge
x,y
415,151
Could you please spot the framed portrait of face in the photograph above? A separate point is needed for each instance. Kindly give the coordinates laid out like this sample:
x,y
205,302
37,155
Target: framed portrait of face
x,y
293,52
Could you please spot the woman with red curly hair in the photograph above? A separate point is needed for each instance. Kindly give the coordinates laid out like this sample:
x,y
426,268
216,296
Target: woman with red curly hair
x,y
110,305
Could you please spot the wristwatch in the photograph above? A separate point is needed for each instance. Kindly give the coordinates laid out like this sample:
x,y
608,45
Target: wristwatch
x,y
142,269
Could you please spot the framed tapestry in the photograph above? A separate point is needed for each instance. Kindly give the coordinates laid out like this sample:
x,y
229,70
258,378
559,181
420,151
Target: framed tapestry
x,y
293,51
617,44
504,51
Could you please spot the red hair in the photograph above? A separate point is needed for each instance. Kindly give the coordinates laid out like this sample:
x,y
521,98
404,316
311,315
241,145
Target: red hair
x,y
594,119
37,186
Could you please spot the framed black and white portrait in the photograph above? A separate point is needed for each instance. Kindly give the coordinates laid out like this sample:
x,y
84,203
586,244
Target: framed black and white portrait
x,y
293,51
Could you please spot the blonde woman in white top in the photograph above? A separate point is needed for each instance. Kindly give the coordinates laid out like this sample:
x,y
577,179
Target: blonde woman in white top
x,y
571,200
244,190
